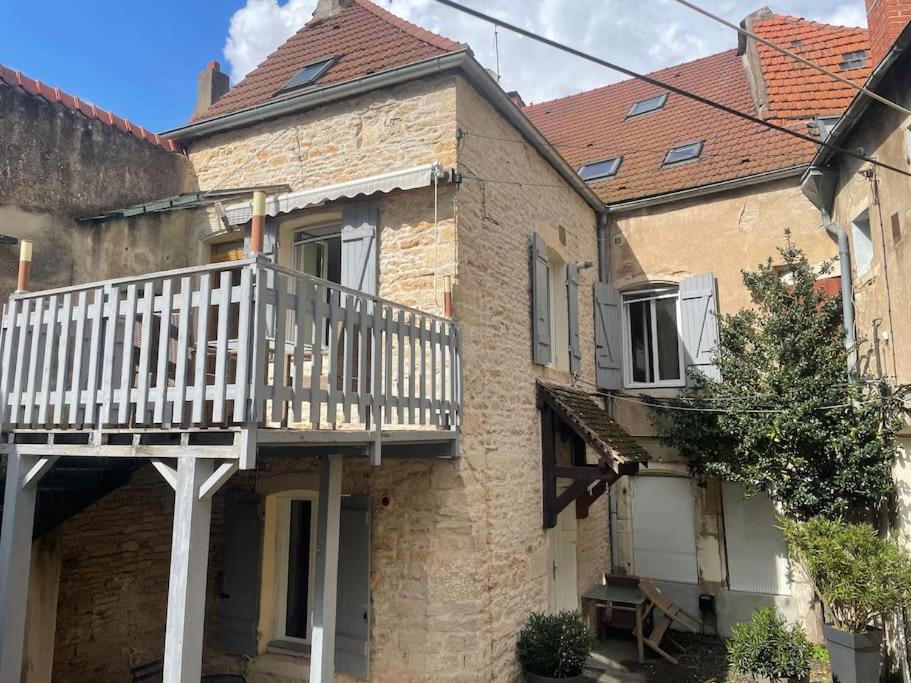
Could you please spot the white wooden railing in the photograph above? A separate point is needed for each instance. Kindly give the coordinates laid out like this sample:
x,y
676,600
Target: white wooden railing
x,y
224,345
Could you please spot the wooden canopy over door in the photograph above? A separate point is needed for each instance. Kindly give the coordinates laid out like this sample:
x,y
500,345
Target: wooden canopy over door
x,y
570,414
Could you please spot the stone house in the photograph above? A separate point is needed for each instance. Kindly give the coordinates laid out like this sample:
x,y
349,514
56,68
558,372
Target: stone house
x,y
303,426
693,198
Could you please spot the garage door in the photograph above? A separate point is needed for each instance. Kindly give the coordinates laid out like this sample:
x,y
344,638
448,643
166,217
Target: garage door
x,y
664,530
757,553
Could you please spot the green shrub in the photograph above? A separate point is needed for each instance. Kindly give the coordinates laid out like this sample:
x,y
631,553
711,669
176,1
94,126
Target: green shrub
x,y
768,647
857,575
554,645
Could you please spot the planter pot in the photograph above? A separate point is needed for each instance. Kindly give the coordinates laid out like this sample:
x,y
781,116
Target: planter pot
x,y
535,678
854,657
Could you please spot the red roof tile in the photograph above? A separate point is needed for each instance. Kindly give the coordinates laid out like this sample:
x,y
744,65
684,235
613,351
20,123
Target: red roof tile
x,y
366,39
593,125
38,89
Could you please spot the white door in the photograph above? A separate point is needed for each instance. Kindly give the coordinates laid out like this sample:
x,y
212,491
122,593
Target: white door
x,y
664,529
756,550
562,591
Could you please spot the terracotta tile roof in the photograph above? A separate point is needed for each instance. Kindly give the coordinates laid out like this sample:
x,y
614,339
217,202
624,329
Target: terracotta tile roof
x,y
17,80
798,92
366,39
593,125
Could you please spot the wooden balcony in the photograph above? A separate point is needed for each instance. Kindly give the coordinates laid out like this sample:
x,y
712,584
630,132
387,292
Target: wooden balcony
x,y
219,349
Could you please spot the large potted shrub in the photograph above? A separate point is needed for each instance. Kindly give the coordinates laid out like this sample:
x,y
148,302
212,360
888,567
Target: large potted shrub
x,y
860,578
554,647
766,647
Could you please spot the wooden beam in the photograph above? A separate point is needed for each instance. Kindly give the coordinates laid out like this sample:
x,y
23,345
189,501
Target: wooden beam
x,y
588,498
41,467
587,472
187,581
322,640
570,493
168,473
217,479
548,465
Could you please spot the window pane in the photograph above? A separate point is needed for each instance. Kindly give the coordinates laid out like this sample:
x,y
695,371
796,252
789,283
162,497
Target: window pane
x,y
334,259
297,606
645,106
600,169
683,153
309,258
668,348
640,327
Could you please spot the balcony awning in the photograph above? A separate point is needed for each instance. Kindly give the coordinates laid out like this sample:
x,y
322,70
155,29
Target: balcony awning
x,y
405,179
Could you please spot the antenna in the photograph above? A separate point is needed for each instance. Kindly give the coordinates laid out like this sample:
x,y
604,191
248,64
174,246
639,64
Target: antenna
x,y
496,48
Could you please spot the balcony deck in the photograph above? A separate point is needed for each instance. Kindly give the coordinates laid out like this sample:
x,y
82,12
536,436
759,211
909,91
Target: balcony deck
x,y
217,358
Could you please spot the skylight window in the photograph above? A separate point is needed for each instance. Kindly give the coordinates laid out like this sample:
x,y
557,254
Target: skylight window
x,y
645,106
683,153
600,169
309,74
854,60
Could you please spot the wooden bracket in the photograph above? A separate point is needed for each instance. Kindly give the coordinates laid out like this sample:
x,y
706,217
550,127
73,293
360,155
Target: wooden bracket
x,y
41,467
217,479
587,499
168,473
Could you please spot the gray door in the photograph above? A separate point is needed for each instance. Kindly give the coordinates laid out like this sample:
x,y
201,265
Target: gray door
x,y
352,632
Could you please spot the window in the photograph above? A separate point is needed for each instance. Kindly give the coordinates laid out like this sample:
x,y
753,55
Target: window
x,y
826,124
319,256
645,106
295,566
559,318
653,348
853,60
309,74
863,243
600,169
675,155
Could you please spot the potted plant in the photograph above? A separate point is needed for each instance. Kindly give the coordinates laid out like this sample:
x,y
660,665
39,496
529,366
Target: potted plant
x,y
766,647
859,577
554,647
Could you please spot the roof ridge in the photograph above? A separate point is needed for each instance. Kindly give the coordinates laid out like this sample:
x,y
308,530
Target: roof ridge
x,y
600,88
36,88
433,39
804,20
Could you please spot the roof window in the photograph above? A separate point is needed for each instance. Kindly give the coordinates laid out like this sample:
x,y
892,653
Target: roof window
x,y
309,74
854,60
645,106
675,155
606,168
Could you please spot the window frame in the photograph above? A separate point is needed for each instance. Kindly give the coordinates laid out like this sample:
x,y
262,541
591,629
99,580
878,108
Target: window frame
x,y
699,145
854,60
325,63
615,169
283,522
651,294
661,98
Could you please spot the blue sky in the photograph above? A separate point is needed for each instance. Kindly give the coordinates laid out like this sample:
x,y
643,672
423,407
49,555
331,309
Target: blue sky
x,y
140,58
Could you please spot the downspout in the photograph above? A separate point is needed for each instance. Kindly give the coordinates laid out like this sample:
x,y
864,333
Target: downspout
x,y
847,288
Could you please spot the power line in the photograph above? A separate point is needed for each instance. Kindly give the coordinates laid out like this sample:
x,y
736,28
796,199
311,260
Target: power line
x,y
793,55
667,86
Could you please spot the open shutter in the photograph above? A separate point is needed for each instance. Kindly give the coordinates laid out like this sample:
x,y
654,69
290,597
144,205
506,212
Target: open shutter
x,y
542,347
352,631
572,310
359,247
698,324
238,606
608,339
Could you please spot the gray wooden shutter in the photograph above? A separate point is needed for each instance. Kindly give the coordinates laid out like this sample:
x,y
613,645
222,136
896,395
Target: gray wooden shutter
x,y
238,606
698,324
352,631
542,347
359,247
608,337
572,310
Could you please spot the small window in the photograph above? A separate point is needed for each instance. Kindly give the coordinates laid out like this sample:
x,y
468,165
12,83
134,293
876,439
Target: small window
x,y
645,106
653,348
854,60
600,169
675,155
559,316
309,74
294,567
320,257
863,243
826,124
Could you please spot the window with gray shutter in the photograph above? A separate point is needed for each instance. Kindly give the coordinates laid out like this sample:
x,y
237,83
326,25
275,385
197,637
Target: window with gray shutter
x,y
608,337
352,631
698,323
359,247
542,346
572,310
238,605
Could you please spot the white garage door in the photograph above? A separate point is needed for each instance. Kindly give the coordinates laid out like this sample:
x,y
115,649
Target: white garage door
x,y
664,530
757,553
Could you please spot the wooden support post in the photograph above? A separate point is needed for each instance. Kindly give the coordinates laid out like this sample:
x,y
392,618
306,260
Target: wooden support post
x,y
548,464
15,559
187,584
322,641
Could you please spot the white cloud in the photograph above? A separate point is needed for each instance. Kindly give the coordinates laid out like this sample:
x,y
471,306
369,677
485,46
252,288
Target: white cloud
x,y
643,36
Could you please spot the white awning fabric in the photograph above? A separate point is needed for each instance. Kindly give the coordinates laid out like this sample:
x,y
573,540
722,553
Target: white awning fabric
x,y
406,179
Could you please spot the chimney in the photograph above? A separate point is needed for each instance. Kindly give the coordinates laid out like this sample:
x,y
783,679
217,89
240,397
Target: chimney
x,y
886,19
329,8
213,84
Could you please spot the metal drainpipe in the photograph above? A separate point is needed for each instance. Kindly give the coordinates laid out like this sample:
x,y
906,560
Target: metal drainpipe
x,y
847,288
